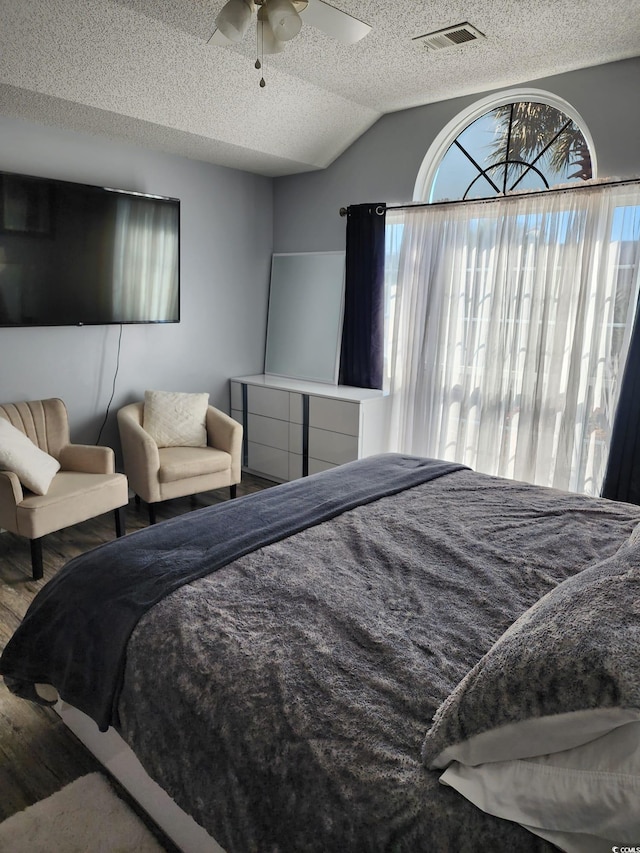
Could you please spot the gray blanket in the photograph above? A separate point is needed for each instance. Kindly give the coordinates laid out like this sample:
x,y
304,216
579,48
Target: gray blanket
x,y
284,699
75,632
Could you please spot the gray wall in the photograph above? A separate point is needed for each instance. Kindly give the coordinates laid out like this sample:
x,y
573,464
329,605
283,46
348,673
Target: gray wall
x,y
383,164
225,264
225,258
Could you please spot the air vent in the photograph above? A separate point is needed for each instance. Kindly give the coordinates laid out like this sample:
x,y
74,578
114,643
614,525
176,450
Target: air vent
x,y
449,37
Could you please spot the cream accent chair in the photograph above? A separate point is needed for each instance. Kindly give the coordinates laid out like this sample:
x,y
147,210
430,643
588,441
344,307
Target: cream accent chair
x,y
161,473
85,486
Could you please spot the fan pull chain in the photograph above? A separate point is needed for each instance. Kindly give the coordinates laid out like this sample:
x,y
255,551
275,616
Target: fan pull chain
x,y
260,51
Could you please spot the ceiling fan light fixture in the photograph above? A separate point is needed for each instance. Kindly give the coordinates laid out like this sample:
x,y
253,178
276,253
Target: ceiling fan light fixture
x,y
284,20
234,18
267,42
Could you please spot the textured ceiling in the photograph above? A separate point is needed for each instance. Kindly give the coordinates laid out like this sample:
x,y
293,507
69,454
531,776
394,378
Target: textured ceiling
x,y
142,70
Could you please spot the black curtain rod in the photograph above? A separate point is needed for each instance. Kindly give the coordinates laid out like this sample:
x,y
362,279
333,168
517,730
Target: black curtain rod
x,y
410,205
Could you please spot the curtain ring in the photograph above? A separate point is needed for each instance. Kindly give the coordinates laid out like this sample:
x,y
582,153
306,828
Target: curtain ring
x,y
380,210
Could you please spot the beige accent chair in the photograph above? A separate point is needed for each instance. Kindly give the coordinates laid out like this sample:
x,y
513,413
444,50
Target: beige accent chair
x,y
85,486
158,474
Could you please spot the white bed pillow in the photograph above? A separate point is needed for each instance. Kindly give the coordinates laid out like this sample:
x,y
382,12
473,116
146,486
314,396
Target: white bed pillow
x,y
175,418
580,799
34,468
536,736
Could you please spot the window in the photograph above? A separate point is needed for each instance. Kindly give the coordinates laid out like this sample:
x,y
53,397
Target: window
x,y
510,317
524,139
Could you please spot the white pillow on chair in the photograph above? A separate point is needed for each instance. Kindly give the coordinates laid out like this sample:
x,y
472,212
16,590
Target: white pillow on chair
x,y
34,468
176,419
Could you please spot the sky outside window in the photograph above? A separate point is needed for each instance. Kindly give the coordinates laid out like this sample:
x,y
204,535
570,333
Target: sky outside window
x,y
541,136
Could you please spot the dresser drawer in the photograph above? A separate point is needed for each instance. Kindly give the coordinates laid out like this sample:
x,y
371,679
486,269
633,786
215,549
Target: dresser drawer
x,y
334,447
270,402
295,466
268,461
236,395
316,466
269,431
295,408
335,415
295,438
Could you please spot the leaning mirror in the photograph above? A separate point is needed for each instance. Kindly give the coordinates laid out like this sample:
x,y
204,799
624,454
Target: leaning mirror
x,y
304,325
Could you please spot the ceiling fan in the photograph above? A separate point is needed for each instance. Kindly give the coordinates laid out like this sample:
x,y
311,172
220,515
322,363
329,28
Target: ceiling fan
x,y
278,21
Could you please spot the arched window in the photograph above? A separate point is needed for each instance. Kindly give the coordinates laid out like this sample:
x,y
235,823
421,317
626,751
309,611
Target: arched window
x,y
514,141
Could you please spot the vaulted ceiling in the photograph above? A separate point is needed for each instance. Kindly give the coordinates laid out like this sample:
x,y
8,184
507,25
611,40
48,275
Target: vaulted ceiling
x,y
145,70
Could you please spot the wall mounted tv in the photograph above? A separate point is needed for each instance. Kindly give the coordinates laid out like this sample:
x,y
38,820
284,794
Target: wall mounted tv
x,y
72,254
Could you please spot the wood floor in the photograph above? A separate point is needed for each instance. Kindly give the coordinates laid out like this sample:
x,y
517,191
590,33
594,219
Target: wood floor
x,y
38,754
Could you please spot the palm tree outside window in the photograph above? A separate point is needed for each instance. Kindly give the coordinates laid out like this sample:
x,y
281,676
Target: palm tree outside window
x,y
523,145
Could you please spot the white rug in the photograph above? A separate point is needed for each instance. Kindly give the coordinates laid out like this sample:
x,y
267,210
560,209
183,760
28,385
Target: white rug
x,y
85,817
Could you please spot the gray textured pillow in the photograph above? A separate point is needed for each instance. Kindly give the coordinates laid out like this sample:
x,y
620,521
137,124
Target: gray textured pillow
x,y
576,650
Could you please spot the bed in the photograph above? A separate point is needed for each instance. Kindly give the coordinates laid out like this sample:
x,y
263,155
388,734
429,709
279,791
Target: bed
x,y
399,654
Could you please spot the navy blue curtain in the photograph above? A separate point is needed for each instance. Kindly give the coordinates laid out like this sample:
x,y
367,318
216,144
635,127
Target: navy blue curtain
x,y
361,358
622,477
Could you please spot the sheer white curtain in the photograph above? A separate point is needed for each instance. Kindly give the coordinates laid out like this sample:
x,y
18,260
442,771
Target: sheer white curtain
x,y
145,262
511,326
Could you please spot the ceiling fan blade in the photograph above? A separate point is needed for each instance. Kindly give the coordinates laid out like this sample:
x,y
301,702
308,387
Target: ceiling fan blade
x,y
339,25
218,38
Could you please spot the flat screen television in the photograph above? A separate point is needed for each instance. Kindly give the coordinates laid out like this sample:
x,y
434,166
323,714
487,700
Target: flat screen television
x,y
73,254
